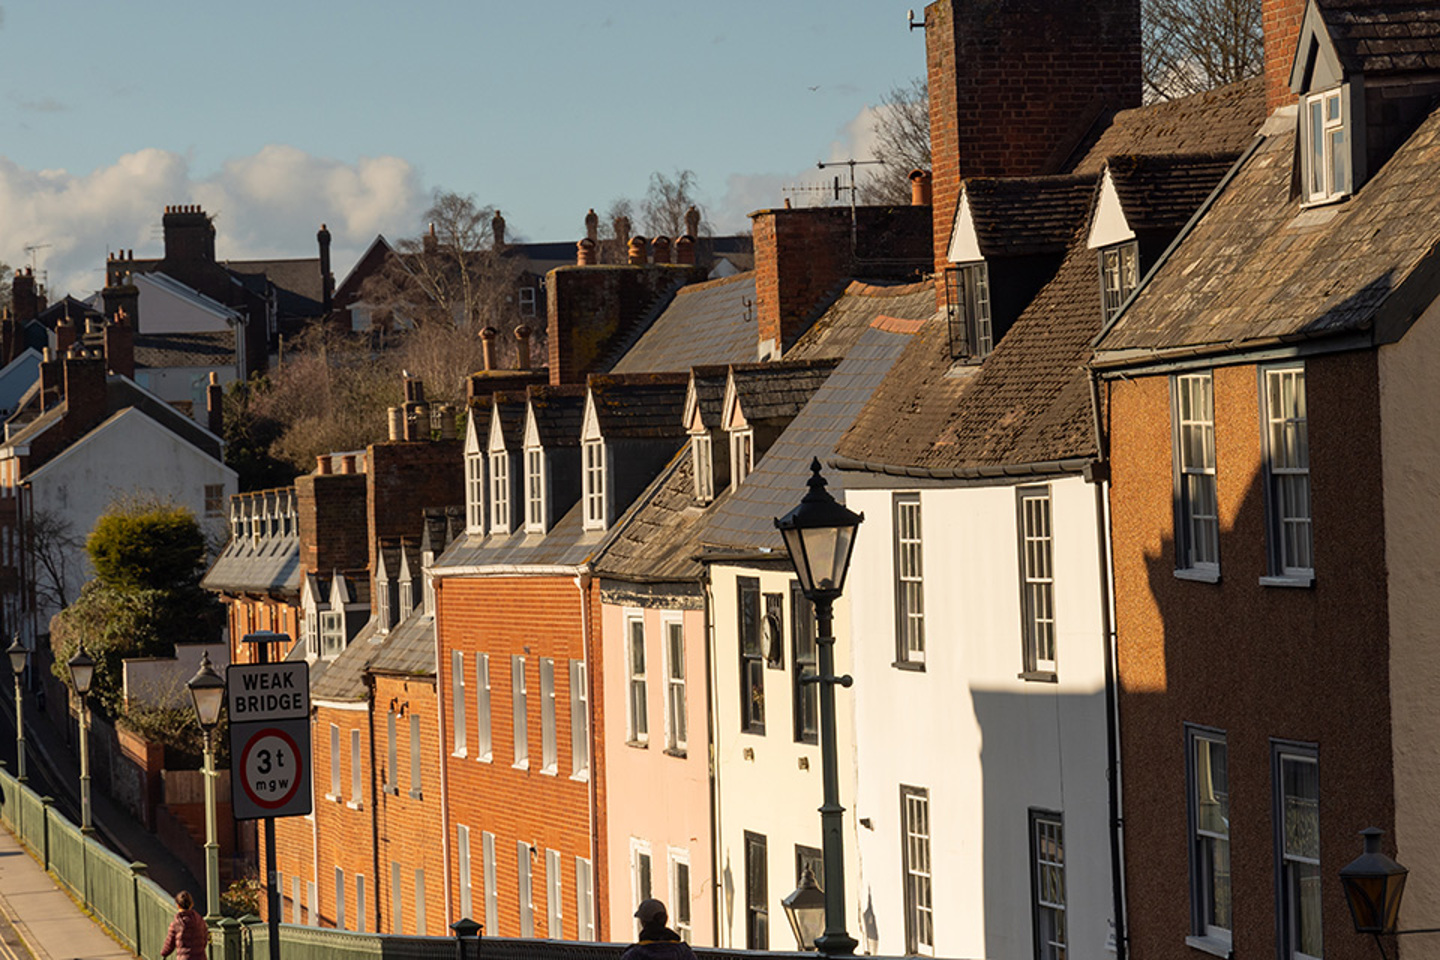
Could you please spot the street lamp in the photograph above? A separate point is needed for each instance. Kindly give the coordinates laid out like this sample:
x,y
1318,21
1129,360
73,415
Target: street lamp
x,y
820,535
82,671
805,907
207,692
1373,885
18,658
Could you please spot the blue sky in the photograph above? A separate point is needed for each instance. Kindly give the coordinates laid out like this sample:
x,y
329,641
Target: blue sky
x,y
276,116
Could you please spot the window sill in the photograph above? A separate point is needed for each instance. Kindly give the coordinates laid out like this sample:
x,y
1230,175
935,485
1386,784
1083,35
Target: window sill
x,y
1211,945
1198,575
1303,580
390,789
416,795
459,754
1039,676
333,798
521,764
354,805
913,666
638,744
485,758
582,777
675,752
548,771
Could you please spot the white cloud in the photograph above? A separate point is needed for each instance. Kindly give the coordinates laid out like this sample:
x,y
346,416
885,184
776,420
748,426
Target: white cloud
x,y
268,204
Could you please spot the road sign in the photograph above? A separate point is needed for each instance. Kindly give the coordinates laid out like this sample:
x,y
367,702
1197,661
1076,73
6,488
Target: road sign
x,y
270,772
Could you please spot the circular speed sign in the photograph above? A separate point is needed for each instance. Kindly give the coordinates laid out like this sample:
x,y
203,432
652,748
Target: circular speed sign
x,y
270,766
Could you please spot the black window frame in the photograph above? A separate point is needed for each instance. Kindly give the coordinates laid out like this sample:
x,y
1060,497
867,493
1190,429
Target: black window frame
x,y
1281,749
751,656
757,892
1200,895
1036,815
805,661
962,302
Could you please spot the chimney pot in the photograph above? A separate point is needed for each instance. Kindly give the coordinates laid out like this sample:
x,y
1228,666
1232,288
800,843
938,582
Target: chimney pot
x,y
347,463
660,248
592,226
396,420
323,466
447,422
487,347
522,347
692,221
920,188
585,253
497,229
685,250
637,251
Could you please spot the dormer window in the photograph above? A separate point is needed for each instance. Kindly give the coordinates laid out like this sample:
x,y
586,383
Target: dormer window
x,y
407,596
332,633
742,454
499,492
1119,276
1326,155
534,490
383,608
596,517
475,493
967,302
702,456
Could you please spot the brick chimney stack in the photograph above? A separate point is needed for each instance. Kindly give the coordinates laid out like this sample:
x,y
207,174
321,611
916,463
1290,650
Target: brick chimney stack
x,y
1015,85
189,234
1281,21
327,279
85,398
24,296
431,242
120,346
214,405
65,336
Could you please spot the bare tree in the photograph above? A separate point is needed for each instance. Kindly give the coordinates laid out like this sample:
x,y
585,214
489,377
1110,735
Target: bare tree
x,y
1190,46
456,273
666,202
54,549
902,142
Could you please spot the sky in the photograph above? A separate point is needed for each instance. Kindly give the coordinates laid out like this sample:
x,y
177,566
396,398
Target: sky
x,y
278,116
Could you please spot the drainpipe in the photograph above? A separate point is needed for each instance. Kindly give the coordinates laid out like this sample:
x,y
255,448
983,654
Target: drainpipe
x,y
1112,705
582,585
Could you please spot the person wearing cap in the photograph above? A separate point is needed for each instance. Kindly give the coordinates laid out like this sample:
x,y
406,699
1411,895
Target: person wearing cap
x,y
657,941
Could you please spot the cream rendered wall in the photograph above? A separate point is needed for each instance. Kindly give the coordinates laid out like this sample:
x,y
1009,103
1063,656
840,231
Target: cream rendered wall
x,y
1410,441
162,311
183,385
987,745
770,784
653,795
127,455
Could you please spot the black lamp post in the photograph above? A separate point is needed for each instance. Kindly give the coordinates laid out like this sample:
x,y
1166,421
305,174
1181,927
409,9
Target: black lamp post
x,y
207,692
462,928
19,656
82,671
820,534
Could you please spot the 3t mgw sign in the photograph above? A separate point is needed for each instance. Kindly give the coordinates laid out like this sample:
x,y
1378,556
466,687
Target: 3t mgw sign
x,y
269,739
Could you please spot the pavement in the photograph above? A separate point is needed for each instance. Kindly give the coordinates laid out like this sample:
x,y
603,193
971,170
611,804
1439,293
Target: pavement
x,y
39,917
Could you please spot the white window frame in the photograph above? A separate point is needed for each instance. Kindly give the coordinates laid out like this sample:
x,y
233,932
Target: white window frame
x,y
1325,115
392,781
1298,869
332,633
595,470
554,901
457,704
492,887
535,519
340,898
909,581
672,628
642,873
334,792
420,901
312,892
467,888
484,740
525,887
415,760
1209,820
742,455
500,492
584,900
579,721
702,462
297,903
548,751
519,710
637,690
527,301
356,772
1047,890
475,493
1119,276
397,897
919,900
1037,582
360,903
1287,473
1197,515
681,904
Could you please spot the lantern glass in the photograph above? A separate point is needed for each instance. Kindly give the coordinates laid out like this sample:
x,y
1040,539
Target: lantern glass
x,y
18,656
207,692
1373,885
82,671
819,534
805,908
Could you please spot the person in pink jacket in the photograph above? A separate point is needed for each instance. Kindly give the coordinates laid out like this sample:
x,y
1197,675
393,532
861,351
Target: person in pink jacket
x,y
188,935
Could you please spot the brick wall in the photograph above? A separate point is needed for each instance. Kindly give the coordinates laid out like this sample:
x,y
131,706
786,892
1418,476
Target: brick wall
x,y
550,811
249,615
404,478
408,828
344,827
1281,21
333,519
1016,84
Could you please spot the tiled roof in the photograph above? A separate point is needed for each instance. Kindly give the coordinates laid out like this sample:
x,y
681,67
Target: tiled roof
x,y
1258,268
1223,120
709,384
1027,215
778,391
409,649
269,565
746,520
1163,192
344,677
639,404
657,540
711,322
1378,37
211,349
559,412
566,544
850,316
510,408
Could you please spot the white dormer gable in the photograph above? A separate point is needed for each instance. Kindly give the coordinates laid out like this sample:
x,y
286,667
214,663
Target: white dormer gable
x,y
691,418
964,242
731,416
590,427
497,435
310,598
1316,65
472,437
532,429
1108,225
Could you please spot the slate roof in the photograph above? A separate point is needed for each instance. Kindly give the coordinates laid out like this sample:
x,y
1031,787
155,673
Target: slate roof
x,y
78,311
344,677
712,322
1379,37
746,520
1223,120
851,314
709,381
1027,215
1257,268
271,566
656,540
210,349
639,405
559,412
567,544
778,391
409,649
1163,192
510,408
